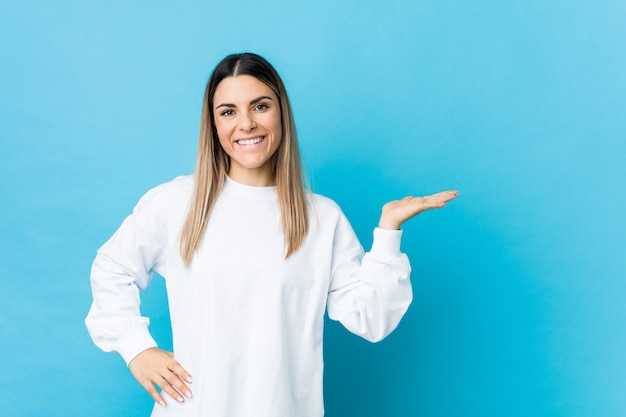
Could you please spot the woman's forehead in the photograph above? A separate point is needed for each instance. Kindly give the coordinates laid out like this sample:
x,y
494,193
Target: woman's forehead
x,y
241,88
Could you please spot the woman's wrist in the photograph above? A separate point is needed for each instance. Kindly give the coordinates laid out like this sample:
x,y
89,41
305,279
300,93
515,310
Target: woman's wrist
x,y
388,224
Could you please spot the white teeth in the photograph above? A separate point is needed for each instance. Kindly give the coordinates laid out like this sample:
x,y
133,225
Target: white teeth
x,y
249,141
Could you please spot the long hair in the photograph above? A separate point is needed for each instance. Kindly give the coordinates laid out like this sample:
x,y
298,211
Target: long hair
x,y
213,163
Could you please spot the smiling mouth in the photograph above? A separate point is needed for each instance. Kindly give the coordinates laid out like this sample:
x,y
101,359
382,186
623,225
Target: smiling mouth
x,y
251,141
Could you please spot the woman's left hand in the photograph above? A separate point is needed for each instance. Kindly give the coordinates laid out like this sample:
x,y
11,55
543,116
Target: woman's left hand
x,y
399,211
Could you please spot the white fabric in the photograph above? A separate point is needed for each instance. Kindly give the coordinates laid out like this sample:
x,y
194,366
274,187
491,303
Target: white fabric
x,y
247,324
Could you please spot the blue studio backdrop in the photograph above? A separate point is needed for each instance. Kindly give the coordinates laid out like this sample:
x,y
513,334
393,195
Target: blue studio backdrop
x,y
519,285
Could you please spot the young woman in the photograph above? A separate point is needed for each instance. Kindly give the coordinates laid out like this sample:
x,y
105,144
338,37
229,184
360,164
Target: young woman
x,y
251,260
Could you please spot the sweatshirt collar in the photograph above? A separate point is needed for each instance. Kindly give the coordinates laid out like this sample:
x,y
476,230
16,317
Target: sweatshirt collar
x,y
254,193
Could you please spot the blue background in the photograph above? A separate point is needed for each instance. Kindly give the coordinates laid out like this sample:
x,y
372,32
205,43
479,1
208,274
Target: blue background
x,y
519,284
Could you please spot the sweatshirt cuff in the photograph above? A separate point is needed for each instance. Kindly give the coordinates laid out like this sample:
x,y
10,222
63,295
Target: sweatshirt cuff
x,y
133,342
386,242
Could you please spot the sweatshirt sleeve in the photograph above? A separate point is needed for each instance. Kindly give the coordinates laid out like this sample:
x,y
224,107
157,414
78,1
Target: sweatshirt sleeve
x,y
369,292
123,267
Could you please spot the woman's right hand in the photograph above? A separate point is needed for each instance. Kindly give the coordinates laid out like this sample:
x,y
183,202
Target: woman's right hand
x,y
155,366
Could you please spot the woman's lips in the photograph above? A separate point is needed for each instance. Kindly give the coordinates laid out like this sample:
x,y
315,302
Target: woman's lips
x,y
250,141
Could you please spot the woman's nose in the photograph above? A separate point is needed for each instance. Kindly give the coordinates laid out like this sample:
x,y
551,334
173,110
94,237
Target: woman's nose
x,y
246,122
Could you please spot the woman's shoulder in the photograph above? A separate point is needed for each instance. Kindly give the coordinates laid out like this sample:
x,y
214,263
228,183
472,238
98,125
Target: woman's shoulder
x,y
324,206
177,185
173,193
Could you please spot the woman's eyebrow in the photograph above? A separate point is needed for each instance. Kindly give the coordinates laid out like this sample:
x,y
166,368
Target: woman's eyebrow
x,y
256,100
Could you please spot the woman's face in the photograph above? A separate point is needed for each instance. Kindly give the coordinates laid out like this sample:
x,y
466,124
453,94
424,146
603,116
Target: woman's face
x,y
248,123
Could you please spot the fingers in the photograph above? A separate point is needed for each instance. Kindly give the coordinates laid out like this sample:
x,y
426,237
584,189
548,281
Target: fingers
x,y
156,367
444,195
175,387
179,371
153,392
439,199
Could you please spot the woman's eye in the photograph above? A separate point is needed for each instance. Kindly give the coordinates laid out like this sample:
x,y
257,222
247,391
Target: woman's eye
x,y
227,113
261,107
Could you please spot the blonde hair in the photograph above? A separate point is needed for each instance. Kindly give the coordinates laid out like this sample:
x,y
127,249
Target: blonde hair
x,y
212,164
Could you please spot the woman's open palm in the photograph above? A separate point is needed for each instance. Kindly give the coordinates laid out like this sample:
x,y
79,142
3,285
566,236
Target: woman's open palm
x,y
399,211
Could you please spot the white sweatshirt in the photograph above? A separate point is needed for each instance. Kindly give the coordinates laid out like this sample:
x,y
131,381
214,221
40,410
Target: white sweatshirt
x,y
247,324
